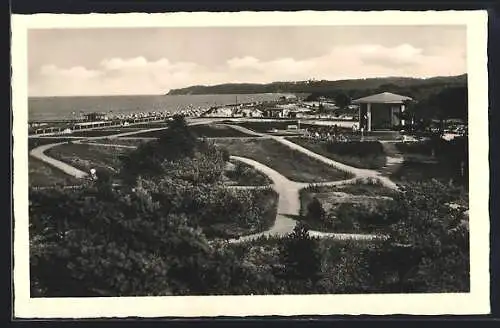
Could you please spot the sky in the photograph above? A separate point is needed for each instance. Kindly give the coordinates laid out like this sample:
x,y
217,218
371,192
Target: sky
x,y
121,61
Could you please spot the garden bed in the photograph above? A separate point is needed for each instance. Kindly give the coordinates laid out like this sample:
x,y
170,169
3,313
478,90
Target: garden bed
x,y
42,174
121,141
101,133
415,171
86,157
36,142
241,174
366,155
216,131
363,187
291,163
244,212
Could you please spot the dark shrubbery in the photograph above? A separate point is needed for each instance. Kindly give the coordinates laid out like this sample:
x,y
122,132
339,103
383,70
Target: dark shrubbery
x,y
247,176
452,161
351,217
428,247
149,238
302,260
366,154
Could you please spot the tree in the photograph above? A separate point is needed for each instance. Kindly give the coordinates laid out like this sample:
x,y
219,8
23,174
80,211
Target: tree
x,y
315,210
301,255
177,141
428,247
124,244
342,100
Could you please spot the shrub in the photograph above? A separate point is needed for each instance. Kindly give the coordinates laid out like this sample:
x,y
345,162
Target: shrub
x,y
315,210
428,247
301,255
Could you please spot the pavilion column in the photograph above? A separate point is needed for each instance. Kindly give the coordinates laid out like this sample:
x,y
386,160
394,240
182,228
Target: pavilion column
x,y
402,111
369,114
360,118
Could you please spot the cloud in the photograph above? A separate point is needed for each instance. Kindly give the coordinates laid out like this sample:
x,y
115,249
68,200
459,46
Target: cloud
x,y
139,75
76,72
404,54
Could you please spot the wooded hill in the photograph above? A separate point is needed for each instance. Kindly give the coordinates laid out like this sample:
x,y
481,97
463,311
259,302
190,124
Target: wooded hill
x,y
354,88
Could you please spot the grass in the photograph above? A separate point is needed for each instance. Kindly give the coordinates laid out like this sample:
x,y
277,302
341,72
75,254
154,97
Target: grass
x,y
202,130
216,131
85,157
100,133
36,142
291,163
121,141
150,125
365,155
44,175
246,175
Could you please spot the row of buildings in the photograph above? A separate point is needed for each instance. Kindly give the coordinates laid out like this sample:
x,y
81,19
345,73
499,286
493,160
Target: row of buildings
x,y
376,112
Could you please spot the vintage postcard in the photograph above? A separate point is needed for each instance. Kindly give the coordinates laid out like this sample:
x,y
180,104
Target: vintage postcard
x,y
250,164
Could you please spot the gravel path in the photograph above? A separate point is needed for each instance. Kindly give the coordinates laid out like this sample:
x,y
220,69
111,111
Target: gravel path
x,y
39,153
288,191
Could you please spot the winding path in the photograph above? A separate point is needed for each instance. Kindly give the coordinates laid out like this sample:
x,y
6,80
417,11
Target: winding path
x,y
39,153
289,205
357,172
288,191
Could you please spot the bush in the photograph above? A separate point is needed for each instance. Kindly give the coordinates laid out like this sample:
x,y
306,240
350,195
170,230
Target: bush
x,y
315,210
301,255
247,176
428,247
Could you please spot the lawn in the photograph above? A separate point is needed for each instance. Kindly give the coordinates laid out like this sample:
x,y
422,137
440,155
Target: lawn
x,y
35,142
366,155
327,209
101,133
291,163
126,141
150,125
241,174
44,175
216,131
267,126
85,157
201,130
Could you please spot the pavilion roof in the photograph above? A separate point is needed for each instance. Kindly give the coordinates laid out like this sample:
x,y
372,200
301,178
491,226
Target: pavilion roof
x,y
382,98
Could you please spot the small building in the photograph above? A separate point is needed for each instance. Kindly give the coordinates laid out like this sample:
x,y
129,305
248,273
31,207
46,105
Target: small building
x,y
274,112
381,111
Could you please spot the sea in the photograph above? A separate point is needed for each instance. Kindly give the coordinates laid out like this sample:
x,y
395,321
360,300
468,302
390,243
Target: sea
x,y
67,108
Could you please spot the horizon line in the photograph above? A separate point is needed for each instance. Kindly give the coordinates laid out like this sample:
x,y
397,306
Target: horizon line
x,y
249,83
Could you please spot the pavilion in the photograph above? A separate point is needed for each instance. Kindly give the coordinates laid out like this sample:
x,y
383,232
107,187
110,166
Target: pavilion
x,y
381,111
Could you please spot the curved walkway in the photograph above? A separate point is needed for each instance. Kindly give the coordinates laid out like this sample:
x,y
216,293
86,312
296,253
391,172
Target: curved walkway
x,y
357,172
39,153
289,205
288,191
